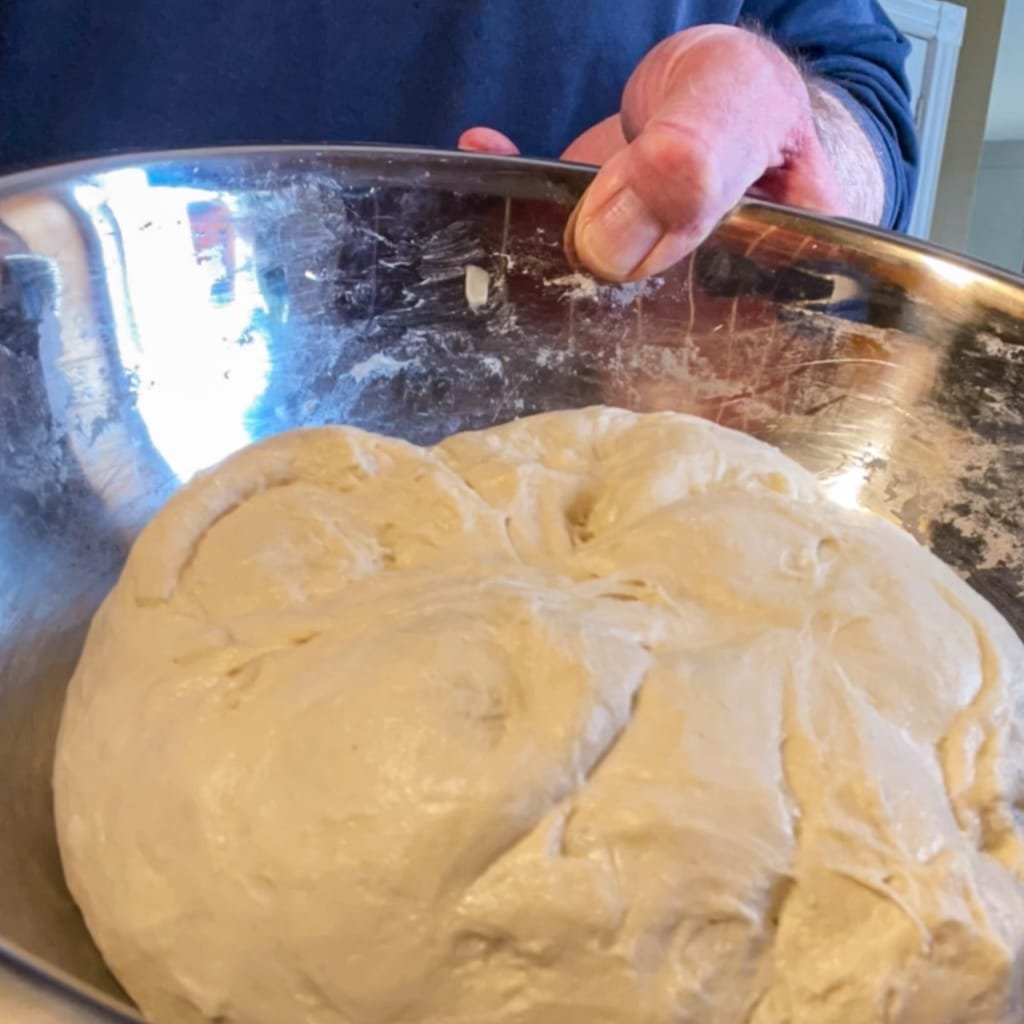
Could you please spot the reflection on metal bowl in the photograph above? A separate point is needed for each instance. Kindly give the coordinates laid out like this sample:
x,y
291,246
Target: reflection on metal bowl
x,y
158,312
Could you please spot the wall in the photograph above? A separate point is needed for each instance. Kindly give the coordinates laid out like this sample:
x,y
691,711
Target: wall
x,y
1006,110
968,114
997,223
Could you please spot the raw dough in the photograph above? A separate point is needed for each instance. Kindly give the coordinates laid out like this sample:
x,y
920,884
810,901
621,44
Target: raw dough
x,y
593,718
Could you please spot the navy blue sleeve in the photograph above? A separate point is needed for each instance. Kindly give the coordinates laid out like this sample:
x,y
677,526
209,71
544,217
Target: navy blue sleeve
x,y
856,50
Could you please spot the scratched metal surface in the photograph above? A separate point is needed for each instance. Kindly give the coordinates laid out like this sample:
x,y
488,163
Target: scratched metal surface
x,y
157,313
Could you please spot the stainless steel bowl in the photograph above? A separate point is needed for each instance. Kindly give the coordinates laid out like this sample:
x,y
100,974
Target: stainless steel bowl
x,y
157,312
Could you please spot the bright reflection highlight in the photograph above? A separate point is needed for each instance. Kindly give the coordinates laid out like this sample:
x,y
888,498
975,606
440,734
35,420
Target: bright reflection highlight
x,y
847,486
193,336
949,272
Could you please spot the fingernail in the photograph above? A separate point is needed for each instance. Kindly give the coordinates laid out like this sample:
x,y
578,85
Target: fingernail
x,y
618,239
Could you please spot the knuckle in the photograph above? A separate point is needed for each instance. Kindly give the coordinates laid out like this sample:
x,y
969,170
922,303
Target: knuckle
x,y
682,166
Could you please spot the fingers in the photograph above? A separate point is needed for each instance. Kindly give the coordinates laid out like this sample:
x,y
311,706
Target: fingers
x,y
598,144
708,114
487,140
817,192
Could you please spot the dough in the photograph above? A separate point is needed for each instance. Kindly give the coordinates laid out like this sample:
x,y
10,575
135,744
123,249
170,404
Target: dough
x,y
593,718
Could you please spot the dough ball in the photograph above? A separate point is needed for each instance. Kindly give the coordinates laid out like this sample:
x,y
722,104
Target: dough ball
x,y
593,718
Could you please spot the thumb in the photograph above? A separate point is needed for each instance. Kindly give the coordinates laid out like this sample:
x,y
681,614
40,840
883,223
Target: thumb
x,y
597,144
708,113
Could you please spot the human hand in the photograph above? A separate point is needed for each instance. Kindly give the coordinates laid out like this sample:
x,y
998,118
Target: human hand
x,y
709,115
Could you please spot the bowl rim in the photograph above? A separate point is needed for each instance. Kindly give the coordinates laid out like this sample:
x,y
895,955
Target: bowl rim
x,y
888,244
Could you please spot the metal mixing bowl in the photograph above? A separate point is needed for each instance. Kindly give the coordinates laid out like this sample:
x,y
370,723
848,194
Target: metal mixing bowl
x,y
158,312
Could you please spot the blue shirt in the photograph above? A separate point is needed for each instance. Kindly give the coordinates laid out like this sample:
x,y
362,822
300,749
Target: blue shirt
x,y
84,77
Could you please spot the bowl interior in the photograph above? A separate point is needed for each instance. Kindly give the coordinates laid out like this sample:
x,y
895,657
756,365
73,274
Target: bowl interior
x,y
157,313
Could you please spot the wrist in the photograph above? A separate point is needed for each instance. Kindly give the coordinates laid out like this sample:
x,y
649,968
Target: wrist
x,y
855,149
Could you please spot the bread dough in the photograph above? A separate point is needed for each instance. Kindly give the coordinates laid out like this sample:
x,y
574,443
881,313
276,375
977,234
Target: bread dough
x,y
592,718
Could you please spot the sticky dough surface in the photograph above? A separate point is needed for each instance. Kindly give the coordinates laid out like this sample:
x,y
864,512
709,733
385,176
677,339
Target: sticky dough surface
x,y
594,718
